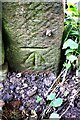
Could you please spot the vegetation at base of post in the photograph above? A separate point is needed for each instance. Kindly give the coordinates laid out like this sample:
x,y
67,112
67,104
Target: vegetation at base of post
x,y
71,36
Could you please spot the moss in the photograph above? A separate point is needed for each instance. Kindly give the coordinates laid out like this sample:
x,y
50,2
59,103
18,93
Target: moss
x,y
14,57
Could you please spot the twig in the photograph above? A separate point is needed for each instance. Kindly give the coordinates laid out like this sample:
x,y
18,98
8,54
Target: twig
x,y
54,83
45,111
65,111
69,104
64,77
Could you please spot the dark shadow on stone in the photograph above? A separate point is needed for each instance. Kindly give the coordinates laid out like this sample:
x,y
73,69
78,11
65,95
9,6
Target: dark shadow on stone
x,y
62,58
5,38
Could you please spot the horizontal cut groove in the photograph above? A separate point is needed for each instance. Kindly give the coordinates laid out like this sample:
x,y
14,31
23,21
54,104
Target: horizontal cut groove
x,y
34,47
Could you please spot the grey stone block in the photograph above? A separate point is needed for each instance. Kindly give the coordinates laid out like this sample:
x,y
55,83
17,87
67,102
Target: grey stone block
x,y
33,27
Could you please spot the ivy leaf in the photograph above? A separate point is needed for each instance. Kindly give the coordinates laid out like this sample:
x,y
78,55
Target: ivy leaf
x,y
69,51
71,58
54,115
51,96
57,102
38,99
70,43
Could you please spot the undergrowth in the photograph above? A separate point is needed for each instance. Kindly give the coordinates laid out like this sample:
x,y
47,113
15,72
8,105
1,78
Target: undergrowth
x,y
71,36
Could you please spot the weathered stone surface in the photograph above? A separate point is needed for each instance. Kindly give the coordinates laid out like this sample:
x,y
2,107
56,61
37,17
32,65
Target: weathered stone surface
x,y
29,43
3,71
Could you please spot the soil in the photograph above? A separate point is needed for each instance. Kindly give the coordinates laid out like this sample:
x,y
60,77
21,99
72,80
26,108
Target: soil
x,y
20,90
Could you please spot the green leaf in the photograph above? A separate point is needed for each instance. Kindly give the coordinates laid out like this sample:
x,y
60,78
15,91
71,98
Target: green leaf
x,y
57,102
71,58
66,93
67,65
70,43
72,8
51,96
39,99
74,32
69,51
54,115
66,32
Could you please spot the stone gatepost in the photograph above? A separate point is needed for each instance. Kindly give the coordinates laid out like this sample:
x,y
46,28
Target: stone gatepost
x,y
33,33
3,65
